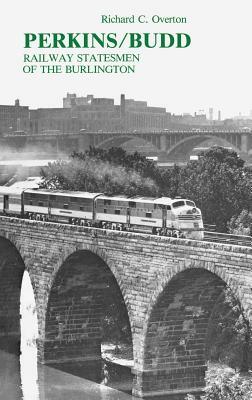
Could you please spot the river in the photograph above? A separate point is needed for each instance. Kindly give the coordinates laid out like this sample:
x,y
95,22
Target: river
x,y
24,381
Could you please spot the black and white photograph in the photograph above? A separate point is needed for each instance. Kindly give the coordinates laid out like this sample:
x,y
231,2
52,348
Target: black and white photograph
x,y
126,200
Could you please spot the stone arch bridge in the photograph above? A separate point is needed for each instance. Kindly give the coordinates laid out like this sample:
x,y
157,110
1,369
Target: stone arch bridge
x,y
169,287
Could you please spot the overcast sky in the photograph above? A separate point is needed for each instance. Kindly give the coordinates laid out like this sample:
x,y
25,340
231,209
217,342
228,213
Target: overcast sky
x,y
215,71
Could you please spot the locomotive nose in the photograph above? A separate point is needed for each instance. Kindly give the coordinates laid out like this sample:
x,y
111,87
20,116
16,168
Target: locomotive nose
x,y
192,210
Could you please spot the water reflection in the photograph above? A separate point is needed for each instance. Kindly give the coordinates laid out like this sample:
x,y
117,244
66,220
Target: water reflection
x,y
52,384
10,383
58,385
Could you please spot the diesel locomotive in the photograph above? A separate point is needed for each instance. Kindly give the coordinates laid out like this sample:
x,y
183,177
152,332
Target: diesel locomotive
x,y
163,215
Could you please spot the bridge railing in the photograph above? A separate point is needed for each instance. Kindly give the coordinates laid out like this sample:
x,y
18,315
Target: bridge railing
x,y
242,240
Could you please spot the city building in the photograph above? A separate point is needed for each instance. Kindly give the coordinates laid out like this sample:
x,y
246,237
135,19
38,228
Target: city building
x,y
96,115
187,119
103,114
14,118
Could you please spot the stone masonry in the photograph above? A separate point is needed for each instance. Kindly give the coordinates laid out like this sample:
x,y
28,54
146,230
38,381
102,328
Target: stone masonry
x,y
169,287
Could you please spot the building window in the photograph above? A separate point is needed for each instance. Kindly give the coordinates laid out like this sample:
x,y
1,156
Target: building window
x,y
107,202
117,212
105,211
40,203
81,208
30,202
132,204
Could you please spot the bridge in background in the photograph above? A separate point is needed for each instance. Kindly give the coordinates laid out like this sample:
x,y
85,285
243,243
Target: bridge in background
x,y
168,144
168,287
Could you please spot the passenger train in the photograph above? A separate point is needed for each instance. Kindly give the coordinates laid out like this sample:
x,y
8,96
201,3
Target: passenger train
x,y
162,216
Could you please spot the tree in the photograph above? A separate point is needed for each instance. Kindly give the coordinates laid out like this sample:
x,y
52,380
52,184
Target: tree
x,y
222,155
219,185
169,181
119,157
226,385
229,334
92,175
242,224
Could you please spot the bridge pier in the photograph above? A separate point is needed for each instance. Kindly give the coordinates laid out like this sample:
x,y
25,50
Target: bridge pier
x,y
83,142
72,355
245,142
175,383
11,273
163,143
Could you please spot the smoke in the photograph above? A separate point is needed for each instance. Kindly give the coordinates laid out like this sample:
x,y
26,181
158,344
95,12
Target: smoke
x,y
18,163
43,151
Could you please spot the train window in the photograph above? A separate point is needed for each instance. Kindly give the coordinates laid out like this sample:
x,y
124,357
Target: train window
x,y
30,202
168,207
65,206
117,212
40,203
81,208
107,202
148,215
52,197
179,203
190,203
132,204
105,211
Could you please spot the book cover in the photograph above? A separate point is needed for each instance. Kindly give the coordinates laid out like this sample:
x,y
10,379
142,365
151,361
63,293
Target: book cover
x,y
170,81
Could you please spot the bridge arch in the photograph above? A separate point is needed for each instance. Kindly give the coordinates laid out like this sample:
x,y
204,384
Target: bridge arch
x,y
12,268
177,326
115,141
85,287
118,140
187,144
99,252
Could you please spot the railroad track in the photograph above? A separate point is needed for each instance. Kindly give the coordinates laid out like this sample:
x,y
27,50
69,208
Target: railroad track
x,y
238,240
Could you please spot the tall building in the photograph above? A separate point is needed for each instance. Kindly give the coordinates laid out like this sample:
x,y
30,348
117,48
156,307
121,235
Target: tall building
x,y
211,114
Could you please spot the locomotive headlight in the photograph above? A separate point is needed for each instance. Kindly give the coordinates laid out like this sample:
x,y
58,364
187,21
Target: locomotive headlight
x,y
194,210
